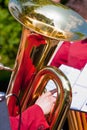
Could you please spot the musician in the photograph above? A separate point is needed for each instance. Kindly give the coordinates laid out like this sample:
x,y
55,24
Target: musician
x,y
34,117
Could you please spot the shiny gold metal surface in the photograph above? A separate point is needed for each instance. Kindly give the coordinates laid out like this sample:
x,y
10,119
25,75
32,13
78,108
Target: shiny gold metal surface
x,y
32,73
49,19
64,94
44,25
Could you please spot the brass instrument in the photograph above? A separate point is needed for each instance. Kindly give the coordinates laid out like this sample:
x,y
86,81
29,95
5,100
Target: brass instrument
x,y
45,24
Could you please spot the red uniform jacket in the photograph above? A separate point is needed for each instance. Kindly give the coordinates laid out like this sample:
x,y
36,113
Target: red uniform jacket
x,y
73,54
32,119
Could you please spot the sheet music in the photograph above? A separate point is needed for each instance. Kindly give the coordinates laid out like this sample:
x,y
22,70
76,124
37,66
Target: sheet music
x,y
78,80
71,73
82,79
84,107
79,97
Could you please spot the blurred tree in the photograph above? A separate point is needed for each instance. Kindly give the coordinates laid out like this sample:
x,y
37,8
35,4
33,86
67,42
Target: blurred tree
x,y
10,33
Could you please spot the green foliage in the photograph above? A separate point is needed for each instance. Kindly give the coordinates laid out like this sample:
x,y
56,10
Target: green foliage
x,y
10,33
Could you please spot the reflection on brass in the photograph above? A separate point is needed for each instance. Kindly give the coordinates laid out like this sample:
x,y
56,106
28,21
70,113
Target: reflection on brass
x,y
49,19
44,25
45,29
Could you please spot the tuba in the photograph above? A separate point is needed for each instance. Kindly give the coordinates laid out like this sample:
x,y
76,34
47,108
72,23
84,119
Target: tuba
x,y
45,25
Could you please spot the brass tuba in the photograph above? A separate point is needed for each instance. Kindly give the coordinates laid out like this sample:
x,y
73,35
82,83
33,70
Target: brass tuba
x,y
45,25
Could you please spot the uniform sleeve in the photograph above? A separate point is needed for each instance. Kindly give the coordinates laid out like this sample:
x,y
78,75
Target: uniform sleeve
x,y
61,56
32,119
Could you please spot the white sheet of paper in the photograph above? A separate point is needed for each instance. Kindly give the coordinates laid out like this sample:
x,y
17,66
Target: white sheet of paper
x,y
79,96
78,80
71,73
82,79
84,107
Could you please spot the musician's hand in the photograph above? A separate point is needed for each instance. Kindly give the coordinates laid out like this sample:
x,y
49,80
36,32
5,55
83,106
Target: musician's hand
x,y
46,101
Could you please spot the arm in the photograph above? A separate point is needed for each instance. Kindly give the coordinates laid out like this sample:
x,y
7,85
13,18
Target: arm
x,y
33,118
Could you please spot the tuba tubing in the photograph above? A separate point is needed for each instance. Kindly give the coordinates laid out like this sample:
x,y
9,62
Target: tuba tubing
x,y
29,78
39,42
64,94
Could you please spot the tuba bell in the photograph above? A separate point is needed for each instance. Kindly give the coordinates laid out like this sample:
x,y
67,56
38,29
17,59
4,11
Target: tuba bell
x,y
45,25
